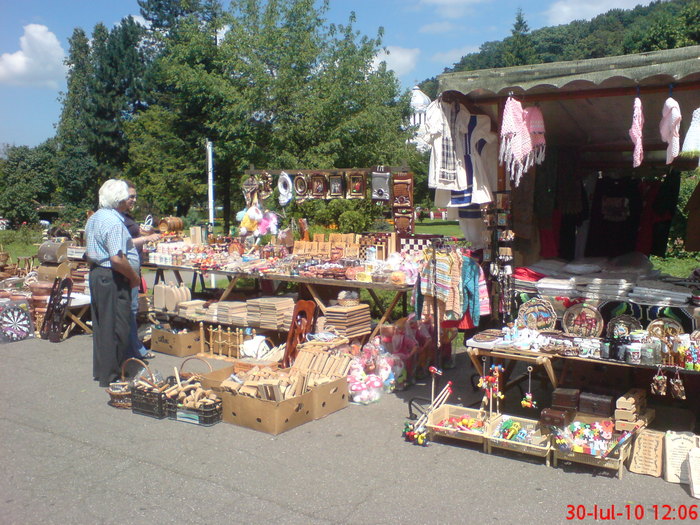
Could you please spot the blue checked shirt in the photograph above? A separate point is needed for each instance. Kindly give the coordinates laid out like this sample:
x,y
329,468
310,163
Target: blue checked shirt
x,y
107,237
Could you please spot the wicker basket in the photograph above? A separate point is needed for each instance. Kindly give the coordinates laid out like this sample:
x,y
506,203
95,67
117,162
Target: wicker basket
x,y
120,391
188,375
348,302
146,402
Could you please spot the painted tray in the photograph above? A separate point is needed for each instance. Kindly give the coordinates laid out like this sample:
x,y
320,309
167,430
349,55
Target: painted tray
x,y
623,325
664,327
583,321
537,314
488,335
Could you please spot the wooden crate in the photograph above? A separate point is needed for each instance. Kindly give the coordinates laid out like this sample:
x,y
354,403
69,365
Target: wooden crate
x,y
447,411
615,461
540,446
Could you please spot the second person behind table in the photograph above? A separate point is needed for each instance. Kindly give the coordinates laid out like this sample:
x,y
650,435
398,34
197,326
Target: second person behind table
x,y
136,346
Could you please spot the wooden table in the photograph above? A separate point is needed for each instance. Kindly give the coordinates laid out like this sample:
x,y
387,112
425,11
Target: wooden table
x,y
533,358
311,284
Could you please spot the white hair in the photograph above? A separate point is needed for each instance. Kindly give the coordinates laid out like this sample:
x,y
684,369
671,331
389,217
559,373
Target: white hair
x,y
113,192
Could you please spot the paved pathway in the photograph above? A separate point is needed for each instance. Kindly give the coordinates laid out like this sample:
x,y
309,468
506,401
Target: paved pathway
x,y
68,457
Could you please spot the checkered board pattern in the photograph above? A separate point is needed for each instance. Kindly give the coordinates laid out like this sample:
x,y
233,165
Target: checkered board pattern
x,y
415,243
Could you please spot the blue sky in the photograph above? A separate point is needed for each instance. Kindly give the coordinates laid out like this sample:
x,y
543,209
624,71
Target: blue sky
x,y
422,38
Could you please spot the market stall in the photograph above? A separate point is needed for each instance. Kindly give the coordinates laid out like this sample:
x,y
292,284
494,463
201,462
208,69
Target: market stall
x,y
567,176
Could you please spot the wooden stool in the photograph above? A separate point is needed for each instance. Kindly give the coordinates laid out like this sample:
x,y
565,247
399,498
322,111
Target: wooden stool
x,y
75,317
25,265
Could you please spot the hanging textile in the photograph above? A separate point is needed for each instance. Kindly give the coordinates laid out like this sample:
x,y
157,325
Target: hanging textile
x,y
470,287
484,298
436,274
455,299
457,139
516,143
534,121
445,159
691,142
670,128
636,132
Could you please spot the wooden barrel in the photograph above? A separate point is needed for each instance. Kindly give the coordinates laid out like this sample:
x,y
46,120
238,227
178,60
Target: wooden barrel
x,y
170,224
53,252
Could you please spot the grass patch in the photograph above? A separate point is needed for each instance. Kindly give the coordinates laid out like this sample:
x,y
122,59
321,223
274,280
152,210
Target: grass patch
x,y
20,243
675,267
439,227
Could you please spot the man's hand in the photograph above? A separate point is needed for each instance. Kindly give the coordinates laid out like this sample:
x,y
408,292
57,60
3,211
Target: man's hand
x,y
121,264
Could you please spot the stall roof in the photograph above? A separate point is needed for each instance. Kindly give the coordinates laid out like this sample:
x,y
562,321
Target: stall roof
x,y
588,103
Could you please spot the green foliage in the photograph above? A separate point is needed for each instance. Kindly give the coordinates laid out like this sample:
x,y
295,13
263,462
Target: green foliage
x,y
518,48
26,181
76,171
168,170
659,25
353,222
326,213
676,248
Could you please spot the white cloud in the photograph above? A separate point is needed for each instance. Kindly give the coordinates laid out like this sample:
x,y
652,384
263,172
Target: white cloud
x,y
451,8
39,61
564,11
452,56
437,28
400,59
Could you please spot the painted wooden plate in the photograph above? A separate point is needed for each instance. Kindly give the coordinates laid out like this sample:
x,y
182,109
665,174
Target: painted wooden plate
x,y
583,321
537,314
622,325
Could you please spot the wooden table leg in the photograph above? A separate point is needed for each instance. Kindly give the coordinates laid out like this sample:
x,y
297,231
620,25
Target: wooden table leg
x,y
316,297
178,277
376,299
564,371
386,315
229,288
547,363
474,356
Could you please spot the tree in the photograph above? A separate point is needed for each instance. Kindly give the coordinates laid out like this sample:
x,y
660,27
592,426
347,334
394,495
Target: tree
x,y
164,15
115,93
76,172
281,89
518,48
164,166
26,180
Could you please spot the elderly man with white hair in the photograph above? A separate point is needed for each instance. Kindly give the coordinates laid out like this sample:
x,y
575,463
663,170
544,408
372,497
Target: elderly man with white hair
x,y
114,265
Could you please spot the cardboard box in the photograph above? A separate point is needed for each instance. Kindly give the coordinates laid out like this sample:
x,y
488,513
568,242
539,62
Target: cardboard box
x,y
212,380
330,397
267,416
179,345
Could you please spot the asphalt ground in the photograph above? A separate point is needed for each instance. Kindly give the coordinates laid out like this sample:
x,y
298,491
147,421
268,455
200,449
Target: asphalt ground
x,y
68,457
